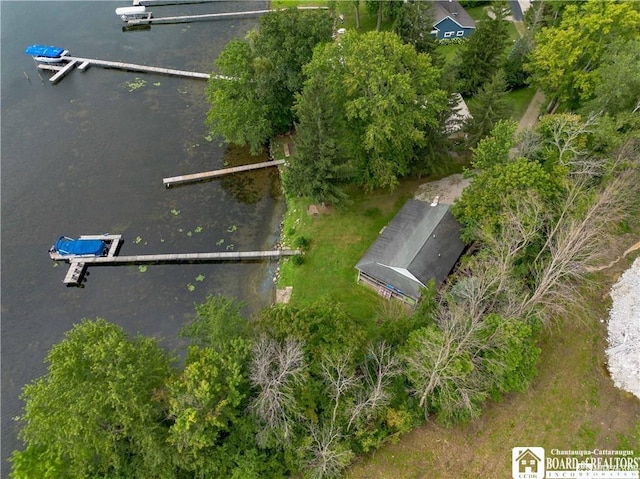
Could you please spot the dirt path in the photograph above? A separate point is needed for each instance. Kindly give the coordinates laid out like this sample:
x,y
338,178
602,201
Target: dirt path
x,y
530,116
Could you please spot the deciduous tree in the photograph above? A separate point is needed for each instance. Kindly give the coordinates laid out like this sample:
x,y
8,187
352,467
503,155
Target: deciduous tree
x,y
96,412
386,93
565,59
205,401
262,74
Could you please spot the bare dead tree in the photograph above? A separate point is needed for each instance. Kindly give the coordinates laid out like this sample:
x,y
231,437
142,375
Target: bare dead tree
x,y
340,378
326,457
567,132
578,241
378,370
276,370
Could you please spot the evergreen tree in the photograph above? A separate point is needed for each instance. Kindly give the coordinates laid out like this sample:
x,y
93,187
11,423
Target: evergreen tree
x,y
488,107
483,54
515,74
319,168
414,24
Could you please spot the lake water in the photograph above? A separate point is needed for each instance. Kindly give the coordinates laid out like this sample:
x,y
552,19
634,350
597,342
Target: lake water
x,y
87,156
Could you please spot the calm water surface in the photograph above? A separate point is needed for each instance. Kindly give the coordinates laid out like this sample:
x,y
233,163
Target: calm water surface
x,y
88,156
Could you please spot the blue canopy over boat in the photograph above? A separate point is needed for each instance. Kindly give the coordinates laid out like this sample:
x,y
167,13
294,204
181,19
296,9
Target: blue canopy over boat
x,y
44,51
84,247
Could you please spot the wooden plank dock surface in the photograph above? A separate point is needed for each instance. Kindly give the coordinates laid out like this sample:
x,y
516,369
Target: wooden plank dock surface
x,y
63,71
191,18
177,180
131,67
186,257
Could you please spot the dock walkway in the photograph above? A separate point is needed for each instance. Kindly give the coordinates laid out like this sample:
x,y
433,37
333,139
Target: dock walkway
x,y
177,180
78,266
187,257
192,18
205,16
86,62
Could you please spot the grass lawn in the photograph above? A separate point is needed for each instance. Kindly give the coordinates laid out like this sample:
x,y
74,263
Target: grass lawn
x,y
519,101
338,239
572,404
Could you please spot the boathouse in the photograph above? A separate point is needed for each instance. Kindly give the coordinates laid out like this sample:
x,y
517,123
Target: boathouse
x,y
422,242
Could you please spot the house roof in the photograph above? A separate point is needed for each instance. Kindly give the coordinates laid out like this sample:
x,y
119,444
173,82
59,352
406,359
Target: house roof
x,y
452,9
420,243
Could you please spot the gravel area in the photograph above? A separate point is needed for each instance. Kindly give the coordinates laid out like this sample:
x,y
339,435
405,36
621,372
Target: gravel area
x,y
624,331
447,189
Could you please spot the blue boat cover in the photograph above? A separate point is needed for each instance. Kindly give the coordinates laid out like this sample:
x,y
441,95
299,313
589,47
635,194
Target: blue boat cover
x,y
44,51
67,246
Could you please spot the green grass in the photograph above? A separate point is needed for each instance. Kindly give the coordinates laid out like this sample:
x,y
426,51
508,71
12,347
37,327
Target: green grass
x,y
338,239
297,3
477,13
519,101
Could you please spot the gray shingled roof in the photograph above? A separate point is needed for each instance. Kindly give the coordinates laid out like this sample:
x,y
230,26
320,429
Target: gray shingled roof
x,y
420,243
444,8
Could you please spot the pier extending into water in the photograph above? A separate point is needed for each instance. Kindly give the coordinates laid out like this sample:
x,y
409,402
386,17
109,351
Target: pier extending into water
x,y
78,266
148,17
83,63
178,180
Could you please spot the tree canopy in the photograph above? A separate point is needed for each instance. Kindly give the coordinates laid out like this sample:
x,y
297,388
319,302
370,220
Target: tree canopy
x,y
96,411
565,59
260,76
482,55
386,93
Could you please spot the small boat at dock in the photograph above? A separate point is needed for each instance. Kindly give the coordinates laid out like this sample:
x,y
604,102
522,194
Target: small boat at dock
x,y
46,54
66,248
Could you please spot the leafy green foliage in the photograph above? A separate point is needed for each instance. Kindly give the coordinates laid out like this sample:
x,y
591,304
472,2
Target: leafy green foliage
x,y
617,79
321,326
382,9
564,61
217,321
386,93
511,364
95,411
262,75
500,181
205,403
238,112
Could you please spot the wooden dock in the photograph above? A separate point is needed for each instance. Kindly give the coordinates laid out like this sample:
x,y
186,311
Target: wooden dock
x,y
78,266
189,257
193,18
206,16
62,70
158,3
177,180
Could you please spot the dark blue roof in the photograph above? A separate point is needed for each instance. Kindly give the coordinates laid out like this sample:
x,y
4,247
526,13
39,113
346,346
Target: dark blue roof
x,y
44,51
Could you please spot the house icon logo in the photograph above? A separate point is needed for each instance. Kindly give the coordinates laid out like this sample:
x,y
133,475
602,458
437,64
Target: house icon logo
x,y
527,463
